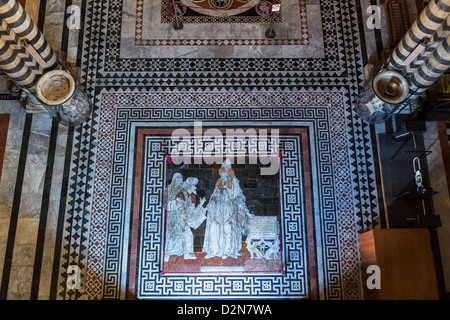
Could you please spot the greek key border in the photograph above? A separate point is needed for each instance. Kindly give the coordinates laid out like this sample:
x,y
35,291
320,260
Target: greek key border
x,y
312,113
293,283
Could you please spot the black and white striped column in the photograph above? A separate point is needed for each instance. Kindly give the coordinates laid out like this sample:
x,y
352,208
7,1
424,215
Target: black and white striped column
x,y
438,37
428,22
431,69
24,52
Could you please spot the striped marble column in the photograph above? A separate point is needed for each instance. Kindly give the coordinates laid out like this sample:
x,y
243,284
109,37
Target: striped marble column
x,y
438,37
430,20
24,52
431,69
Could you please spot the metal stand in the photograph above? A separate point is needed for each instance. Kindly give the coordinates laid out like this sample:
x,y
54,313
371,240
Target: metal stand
x,y
420,152
177,25
270,33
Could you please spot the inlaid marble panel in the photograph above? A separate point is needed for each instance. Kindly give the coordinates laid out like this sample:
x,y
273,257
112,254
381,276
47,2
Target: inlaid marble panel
x,y
147,32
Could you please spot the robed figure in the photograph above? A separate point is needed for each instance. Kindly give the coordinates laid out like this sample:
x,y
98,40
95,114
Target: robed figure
x,y
182,214
227,217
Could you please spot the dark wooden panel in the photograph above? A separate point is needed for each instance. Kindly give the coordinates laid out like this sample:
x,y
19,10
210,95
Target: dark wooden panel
x,y
444,141
406,263
4,124
368,258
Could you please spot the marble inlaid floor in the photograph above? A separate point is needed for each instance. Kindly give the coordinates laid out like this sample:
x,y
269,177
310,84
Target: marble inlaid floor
x,y
145,35
294,80
74,204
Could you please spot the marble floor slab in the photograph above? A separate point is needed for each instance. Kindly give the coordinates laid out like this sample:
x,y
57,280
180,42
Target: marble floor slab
x,y
145,36
73,225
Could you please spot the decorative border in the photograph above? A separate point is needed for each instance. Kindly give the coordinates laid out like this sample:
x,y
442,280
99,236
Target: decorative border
x,y
305,107
141,41
167,17
152,283
113,62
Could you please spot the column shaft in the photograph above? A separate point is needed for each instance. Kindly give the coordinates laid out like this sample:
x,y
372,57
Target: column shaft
x,y
18,32
425,26
432,68
438,37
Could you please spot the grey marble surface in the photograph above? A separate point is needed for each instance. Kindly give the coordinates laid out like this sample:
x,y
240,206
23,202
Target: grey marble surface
x,y
29,213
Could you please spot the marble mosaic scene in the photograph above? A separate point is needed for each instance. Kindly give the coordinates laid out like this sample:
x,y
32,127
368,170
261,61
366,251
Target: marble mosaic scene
x,y
267,199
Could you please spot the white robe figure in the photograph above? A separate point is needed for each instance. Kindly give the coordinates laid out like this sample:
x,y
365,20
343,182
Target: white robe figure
x,y
175,186
180,207
227,217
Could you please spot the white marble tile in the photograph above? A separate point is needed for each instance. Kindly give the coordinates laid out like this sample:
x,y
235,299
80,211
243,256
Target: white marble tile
x,y
27,229
23,255
223,51
20,283
33,180
255,52
30,205
187,52
38,142
8,180
241,51
205,52
13,107
55,6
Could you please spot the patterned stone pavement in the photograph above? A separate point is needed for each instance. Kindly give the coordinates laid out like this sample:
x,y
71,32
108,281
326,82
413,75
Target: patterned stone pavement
x,y
98,210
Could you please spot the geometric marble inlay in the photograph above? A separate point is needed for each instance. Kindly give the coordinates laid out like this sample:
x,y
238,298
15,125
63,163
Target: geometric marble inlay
x,y
201,30
107,207
142,91
217,277
316,205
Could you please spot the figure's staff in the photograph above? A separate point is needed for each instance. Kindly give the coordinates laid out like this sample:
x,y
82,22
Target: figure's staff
x,y
177,25
270,33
